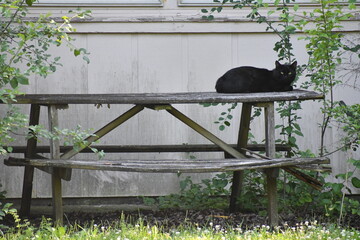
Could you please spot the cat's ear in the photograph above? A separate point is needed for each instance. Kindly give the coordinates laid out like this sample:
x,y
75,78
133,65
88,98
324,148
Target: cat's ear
x,y
277,64
294,64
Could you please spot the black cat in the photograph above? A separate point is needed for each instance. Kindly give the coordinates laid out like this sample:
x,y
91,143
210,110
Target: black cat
x,y
251,79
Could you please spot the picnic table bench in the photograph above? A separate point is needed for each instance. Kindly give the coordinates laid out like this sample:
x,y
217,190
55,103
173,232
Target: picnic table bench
x,y
59,164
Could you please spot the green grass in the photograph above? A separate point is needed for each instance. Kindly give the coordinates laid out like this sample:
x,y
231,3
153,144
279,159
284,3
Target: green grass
x,y
123,230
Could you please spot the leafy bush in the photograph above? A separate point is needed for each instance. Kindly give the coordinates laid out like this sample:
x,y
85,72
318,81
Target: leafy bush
x,y
325,47
24,51
27,42
209,194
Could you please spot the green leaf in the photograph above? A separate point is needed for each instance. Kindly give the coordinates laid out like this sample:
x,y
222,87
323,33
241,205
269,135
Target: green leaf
x,y
355,162
29,2
298,133
206,104
221,127
343,175
77,52
271,12
23,80
355,182
296,7
297,126
204,10
86,59
290,28
292,140
14,83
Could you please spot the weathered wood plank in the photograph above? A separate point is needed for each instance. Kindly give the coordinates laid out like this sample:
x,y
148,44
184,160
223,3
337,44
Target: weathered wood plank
x,y
30,152
58,172
242,142
165,98
153,148
300,175
167,165
271,173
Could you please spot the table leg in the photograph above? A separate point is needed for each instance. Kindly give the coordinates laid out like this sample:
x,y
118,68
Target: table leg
x,y
271,173
56,176
29,170
238,176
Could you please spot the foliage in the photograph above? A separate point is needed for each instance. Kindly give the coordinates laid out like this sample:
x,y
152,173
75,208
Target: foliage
x,y
209,194
283,27
324,49
325,46
225,117
123,229
291,130
253,197
10,123
25,44
68,137
349,119
24,51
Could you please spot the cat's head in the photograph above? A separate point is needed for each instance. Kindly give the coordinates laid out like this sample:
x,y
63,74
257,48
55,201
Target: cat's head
x,y
285,73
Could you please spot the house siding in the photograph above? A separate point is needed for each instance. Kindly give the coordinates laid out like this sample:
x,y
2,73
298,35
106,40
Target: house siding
x,y
166,48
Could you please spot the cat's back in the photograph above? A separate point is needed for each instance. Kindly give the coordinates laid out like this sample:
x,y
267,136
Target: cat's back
x,y
240,79
247,70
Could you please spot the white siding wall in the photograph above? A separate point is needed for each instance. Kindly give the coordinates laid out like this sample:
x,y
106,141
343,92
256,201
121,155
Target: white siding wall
x,y
158,49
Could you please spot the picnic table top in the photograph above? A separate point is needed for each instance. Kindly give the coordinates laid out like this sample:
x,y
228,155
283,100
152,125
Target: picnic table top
x,y
165,98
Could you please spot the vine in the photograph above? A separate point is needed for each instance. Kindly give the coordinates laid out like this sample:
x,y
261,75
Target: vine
x,y
284,29
325,47
24,51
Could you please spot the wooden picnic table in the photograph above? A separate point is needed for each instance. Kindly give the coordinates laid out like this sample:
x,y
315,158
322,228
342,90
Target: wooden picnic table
x,y
60,163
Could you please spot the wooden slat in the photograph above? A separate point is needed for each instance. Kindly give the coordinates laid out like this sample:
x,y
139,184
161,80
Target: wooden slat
x,y
167,165
165,98
153,148
313,182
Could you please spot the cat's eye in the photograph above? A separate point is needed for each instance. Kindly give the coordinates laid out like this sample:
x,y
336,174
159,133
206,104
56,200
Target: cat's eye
x,y
282,73
289,73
